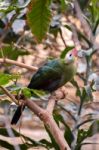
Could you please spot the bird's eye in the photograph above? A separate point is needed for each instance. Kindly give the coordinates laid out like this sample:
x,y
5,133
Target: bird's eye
x,y
70,55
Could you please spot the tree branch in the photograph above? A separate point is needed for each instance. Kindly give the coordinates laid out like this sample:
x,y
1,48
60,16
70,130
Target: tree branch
x,y
84,23
46,116
51,104
13,62
49,122
10,132
75,37
9,95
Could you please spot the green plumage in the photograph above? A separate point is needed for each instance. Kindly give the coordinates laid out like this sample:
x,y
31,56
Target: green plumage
x,y
52,75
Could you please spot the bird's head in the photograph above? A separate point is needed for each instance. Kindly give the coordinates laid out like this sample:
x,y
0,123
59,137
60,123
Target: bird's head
x,y
70,56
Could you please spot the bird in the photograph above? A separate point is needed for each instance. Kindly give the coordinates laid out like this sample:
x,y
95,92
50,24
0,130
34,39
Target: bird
x,y
51,76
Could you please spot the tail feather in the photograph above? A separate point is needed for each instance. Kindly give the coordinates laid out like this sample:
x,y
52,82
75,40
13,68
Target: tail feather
x,y
17,114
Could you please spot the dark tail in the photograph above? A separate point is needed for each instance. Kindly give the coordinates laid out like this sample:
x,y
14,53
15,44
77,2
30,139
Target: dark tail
x,y
17,114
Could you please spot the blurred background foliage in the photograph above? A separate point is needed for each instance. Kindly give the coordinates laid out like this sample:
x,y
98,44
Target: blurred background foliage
x,y
32,31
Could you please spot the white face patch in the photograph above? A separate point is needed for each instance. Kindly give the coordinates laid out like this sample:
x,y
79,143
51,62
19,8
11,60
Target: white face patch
x,y
69,57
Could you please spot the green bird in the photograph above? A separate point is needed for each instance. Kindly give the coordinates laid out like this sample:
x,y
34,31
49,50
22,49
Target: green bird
x,y
51,76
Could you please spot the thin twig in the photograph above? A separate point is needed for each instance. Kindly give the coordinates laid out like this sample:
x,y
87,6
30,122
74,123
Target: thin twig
x,y
51,104
13,62
10,132
64,109
82,123
75,37
83,21
8,26
60,31
46,117
8,94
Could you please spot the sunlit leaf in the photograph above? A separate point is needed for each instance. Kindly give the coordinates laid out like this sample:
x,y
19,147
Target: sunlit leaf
x,y
83,134
6,78
33,92
64,4
39,16
26,92
38,93
9,51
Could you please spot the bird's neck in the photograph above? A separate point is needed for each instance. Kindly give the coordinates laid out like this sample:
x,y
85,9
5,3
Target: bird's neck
x,y
70,69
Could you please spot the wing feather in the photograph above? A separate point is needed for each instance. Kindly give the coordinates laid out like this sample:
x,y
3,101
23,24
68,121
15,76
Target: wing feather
x,y
47,77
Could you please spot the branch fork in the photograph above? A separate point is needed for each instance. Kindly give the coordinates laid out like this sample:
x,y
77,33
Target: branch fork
x,y
46,116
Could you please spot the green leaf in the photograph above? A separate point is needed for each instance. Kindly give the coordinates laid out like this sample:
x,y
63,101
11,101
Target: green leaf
x,y
39,16
63,5
12,5
47,143
53,142
78,147
13,88
83,134
6,78
32,143
67,134
83,3
38,93
68,27
82,36
9,146
7,9
5,144
11,52
94,12
75,84
33,92
4,132
94,128
95,26
84,122
85,96
26,92
65,51
54,30
5,103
